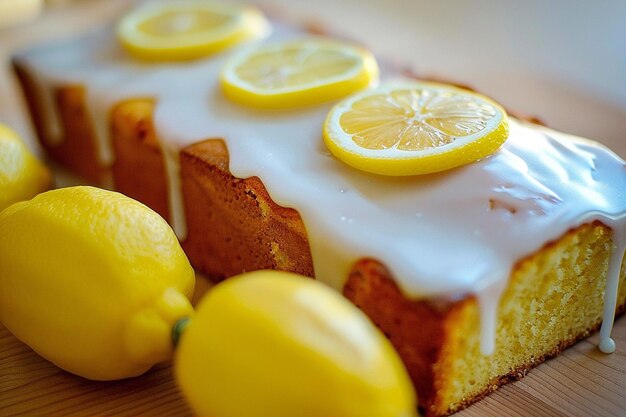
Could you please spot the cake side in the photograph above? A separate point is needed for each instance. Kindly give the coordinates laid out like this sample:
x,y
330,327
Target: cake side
x,y
553,300
244,209
242,230
77,150
132,128
235,221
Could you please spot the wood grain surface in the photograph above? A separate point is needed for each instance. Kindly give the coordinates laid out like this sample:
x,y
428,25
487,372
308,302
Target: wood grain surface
x,y
580,382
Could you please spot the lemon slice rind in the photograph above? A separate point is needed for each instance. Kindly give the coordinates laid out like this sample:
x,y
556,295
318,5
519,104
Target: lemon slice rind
x,y
395,162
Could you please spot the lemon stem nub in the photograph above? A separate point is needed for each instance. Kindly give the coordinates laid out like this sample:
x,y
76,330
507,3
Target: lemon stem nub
x,y
178,329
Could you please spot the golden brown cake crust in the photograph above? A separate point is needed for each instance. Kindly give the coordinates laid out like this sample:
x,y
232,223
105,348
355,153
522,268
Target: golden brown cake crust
x,y
137,151
415,328
233,224
78,149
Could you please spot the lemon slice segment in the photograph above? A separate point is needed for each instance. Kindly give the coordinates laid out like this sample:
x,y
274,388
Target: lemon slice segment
x,y
298,73
414,128
183,30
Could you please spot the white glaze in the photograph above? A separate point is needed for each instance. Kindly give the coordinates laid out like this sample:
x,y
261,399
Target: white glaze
x,y
452,233
607,345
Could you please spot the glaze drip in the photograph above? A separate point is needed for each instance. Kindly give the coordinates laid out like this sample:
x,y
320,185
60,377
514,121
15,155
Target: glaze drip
x,y
448,234
607,345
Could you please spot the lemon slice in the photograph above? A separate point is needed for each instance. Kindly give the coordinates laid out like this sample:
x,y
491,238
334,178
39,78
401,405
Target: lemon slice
x,y
414,128
298,73
181,30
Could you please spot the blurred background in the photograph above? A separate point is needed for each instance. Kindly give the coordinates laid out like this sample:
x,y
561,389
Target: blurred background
x,y
563,61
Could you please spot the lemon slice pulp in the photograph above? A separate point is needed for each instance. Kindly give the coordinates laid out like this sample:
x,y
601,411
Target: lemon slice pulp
x,y
298,73
181,30
414,128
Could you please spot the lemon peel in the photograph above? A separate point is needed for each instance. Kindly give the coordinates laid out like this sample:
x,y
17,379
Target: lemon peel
x,y
267,343
22,176
92,281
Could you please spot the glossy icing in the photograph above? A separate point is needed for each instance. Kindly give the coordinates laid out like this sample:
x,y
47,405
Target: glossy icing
x,y
449,234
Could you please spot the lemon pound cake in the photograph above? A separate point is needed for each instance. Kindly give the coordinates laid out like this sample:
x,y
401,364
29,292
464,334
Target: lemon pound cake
x,y
504,250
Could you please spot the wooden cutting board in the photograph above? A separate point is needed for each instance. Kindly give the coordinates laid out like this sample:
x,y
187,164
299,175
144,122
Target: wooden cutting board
x,y
580,382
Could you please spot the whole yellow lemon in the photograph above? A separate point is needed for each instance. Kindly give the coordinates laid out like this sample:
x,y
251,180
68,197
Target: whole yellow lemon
x,y
92,281
274,344
22,176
